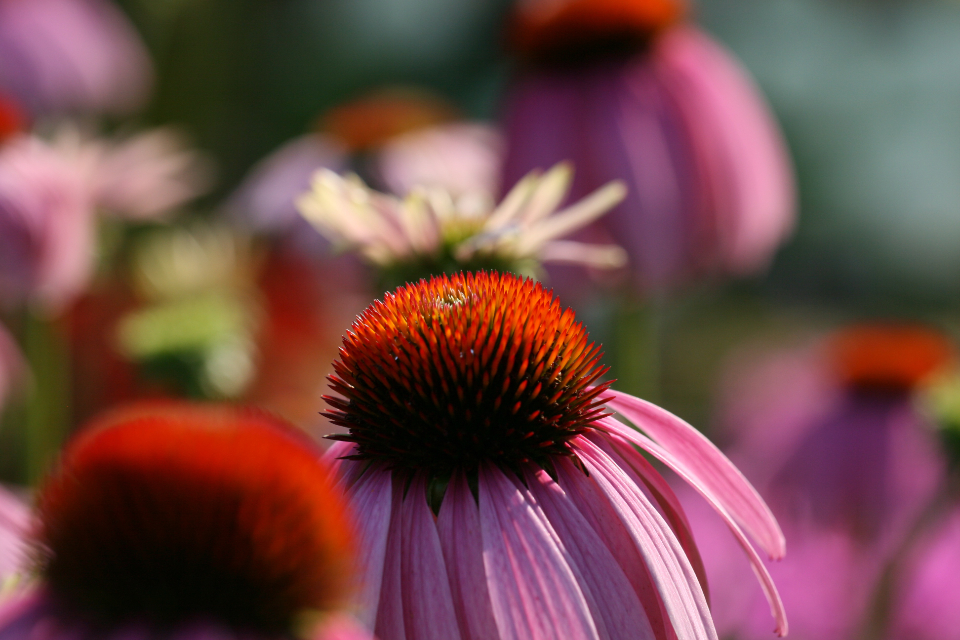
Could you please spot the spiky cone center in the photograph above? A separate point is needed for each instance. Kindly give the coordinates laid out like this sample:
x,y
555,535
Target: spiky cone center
x,y
447,373
567,30
889,357
169,513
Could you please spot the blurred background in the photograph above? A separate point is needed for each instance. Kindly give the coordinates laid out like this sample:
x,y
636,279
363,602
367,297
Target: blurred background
x,y
801,307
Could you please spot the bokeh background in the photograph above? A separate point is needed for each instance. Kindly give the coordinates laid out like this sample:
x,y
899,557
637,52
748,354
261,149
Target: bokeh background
x,y
867,94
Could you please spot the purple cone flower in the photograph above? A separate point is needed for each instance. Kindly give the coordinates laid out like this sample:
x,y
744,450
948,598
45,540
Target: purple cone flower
x,y
626,92
833,437
71,55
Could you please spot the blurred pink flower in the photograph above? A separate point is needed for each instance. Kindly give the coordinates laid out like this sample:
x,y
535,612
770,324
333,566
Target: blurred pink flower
x,y
495,497
925,603
72,55
46,225
395,140
625,91
199,522
832,437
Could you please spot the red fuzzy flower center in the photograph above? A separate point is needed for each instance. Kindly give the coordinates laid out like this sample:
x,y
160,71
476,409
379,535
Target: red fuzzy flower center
x,y
566,28
891,357
371,121
445,374
173,512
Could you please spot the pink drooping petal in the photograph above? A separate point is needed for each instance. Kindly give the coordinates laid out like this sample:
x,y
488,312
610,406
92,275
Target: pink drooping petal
x,y
710,470
669,567
460,537
372,510
612,531
756,563
534,593
13,369
642,472
389,615
15,526
427,603
617,610
345,471
741,145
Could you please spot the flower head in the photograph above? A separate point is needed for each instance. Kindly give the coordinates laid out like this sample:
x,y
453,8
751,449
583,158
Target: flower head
x,y
496,497
430,231
163,517
625,90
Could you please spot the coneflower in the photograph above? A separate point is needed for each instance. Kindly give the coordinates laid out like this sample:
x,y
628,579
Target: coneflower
x,y
496,495
179,521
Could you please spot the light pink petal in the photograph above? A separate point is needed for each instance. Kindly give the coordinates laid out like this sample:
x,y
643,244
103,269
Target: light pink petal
x,y
371,502
669,567
427,604
15,525
741,143
617,610
459,527
711,472
756,563
534,593
642,472
390,623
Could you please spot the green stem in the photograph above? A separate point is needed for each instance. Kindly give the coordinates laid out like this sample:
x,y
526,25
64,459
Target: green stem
x,y
638,336
47,413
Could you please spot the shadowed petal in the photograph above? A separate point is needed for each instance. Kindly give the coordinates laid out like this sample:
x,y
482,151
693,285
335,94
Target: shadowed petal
x,y
532,588
460,536
427,604
615,605
671,571
389,614
372,506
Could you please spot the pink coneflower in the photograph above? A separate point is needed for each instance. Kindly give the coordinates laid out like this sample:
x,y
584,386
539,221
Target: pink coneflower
x,y
626,90
179,521
832,435
497,498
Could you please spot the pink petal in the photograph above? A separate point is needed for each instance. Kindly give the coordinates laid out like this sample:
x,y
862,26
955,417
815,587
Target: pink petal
x,y
371,504
459,527
617,610
390,624
756,563
669,567
532,588
695,456
663,493
427,603
737,135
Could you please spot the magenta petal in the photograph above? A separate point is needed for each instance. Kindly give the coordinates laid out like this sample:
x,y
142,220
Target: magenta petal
x,y
756,563
740,142
390,624
663,493
371,501
617,610
15,524
695,456
427,604
534,593
460,536
669,567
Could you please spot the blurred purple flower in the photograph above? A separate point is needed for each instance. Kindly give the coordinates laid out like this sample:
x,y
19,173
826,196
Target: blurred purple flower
x,y
394,139
925,605
72,55
832,438
46,226
664,108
